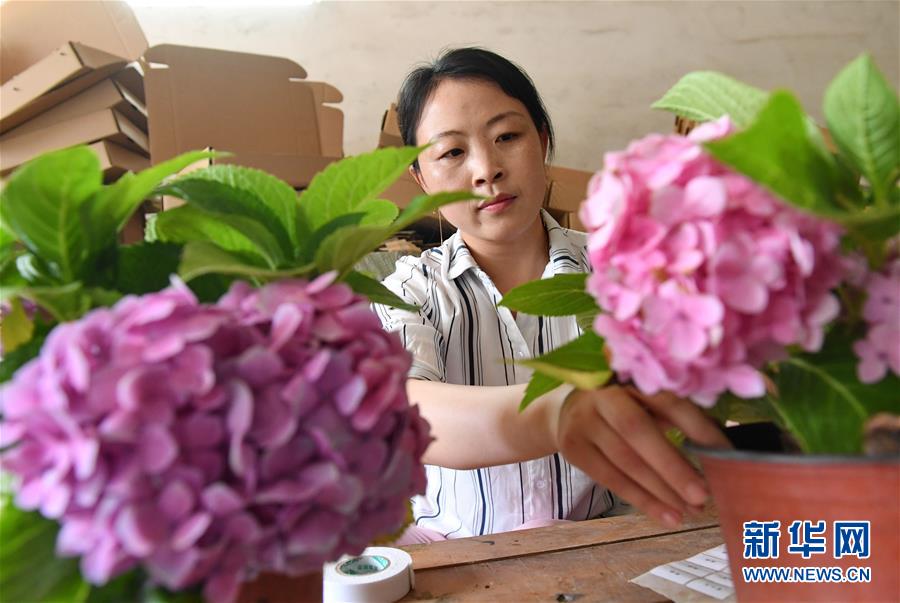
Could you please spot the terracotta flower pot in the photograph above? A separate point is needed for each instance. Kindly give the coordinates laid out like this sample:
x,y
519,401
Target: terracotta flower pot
x,y
751,486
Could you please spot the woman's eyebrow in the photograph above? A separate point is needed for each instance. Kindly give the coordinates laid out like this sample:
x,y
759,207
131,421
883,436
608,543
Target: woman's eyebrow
x,y
490,122
504,115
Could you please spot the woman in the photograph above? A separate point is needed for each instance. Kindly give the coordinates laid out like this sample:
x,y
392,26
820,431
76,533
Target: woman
x,y
492,468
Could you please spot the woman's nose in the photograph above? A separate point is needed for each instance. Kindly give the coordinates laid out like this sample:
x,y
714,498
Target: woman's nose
x,y
486,169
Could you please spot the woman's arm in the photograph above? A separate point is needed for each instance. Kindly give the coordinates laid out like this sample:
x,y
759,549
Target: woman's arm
x,y
476,427
614,434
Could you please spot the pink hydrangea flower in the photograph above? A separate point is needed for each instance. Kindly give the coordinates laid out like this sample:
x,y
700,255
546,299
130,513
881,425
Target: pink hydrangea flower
x,y
880,350
702,275
208,443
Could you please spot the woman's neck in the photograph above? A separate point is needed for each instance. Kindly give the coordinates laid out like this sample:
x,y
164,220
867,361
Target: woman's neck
x,y
512,264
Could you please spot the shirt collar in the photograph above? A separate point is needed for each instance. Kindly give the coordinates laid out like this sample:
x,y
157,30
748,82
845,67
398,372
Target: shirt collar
x,y
458,258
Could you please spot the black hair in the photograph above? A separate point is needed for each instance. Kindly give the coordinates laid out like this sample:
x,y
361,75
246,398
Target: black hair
x,y
468,63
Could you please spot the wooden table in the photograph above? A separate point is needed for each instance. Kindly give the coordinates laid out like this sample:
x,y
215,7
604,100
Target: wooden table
x,y
582,561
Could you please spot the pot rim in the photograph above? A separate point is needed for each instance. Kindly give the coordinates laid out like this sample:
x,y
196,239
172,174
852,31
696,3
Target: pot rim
x,y
783,458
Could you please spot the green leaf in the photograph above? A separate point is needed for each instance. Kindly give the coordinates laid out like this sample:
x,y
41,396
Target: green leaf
x,y
161,595
872,224
130,586
376,292
837,359
342,249
776,152
708,95
538,385
17,327
863,117
65,302
379,212
146,267
7,237
112,206
580,362
243,191
312,241
237,234
343,186
29,568
561,295
732,408
13,361
585,320
24,270
821,412
41,203
9,270
202,258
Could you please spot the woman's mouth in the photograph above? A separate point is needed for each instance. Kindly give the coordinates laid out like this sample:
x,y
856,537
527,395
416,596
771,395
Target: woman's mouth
x,y
496,204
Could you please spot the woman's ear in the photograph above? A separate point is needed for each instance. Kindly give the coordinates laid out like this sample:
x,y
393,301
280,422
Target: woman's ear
x,y
417,176
545,142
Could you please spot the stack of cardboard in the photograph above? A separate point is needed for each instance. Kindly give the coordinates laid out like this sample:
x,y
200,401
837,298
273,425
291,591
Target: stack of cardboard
x,y
566,188
57,92
80,72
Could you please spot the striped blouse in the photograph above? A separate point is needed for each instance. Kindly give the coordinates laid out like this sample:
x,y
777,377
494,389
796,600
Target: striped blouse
x,y
460,336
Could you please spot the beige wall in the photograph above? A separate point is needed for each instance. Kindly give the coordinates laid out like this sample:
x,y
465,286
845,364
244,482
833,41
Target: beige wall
x,y
599,65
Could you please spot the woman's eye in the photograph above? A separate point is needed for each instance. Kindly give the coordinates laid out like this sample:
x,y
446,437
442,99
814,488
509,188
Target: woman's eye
x,y
507,137
451,153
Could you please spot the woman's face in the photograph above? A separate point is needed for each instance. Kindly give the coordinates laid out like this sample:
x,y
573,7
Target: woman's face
x,y
484,141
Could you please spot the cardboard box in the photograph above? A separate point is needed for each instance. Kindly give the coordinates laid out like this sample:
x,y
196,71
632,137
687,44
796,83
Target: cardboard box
x,y
569,188
230,101
66,71
390,129
272,120
115,160
331,119
106,94
32,30
132,80
105,124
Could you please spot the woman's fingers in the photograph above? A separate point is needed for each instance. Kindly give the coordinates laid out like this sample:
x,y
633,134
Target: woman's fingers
x,y
617,436
684,415
634,425
634,466
593,461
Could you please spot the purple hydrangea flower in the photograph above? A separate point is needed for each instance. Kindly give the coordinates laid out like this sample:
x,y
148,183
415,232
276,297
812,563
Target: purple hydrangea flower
x,y
208,443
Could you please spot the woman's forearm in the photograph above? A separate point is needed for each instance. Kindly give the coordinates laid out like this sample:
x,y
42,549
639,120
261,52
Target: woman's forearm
x,y
478,427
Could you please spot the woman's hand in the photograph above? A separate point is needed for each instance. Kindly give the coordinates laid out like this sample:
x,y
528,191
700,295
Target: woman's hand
x,y
616,436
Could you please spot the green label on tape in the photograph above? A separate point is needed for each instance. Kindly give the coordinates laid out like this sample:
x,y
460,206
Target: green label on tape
x,y
367,564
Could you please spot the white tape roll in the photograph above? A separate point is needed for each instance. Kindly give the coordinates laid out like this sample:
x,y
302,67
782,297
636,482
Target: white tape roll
x,y
380,575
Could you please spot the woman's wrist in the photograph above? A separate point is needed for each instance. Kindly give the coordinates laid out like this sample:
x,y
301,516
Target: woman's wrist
x,y
552,403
